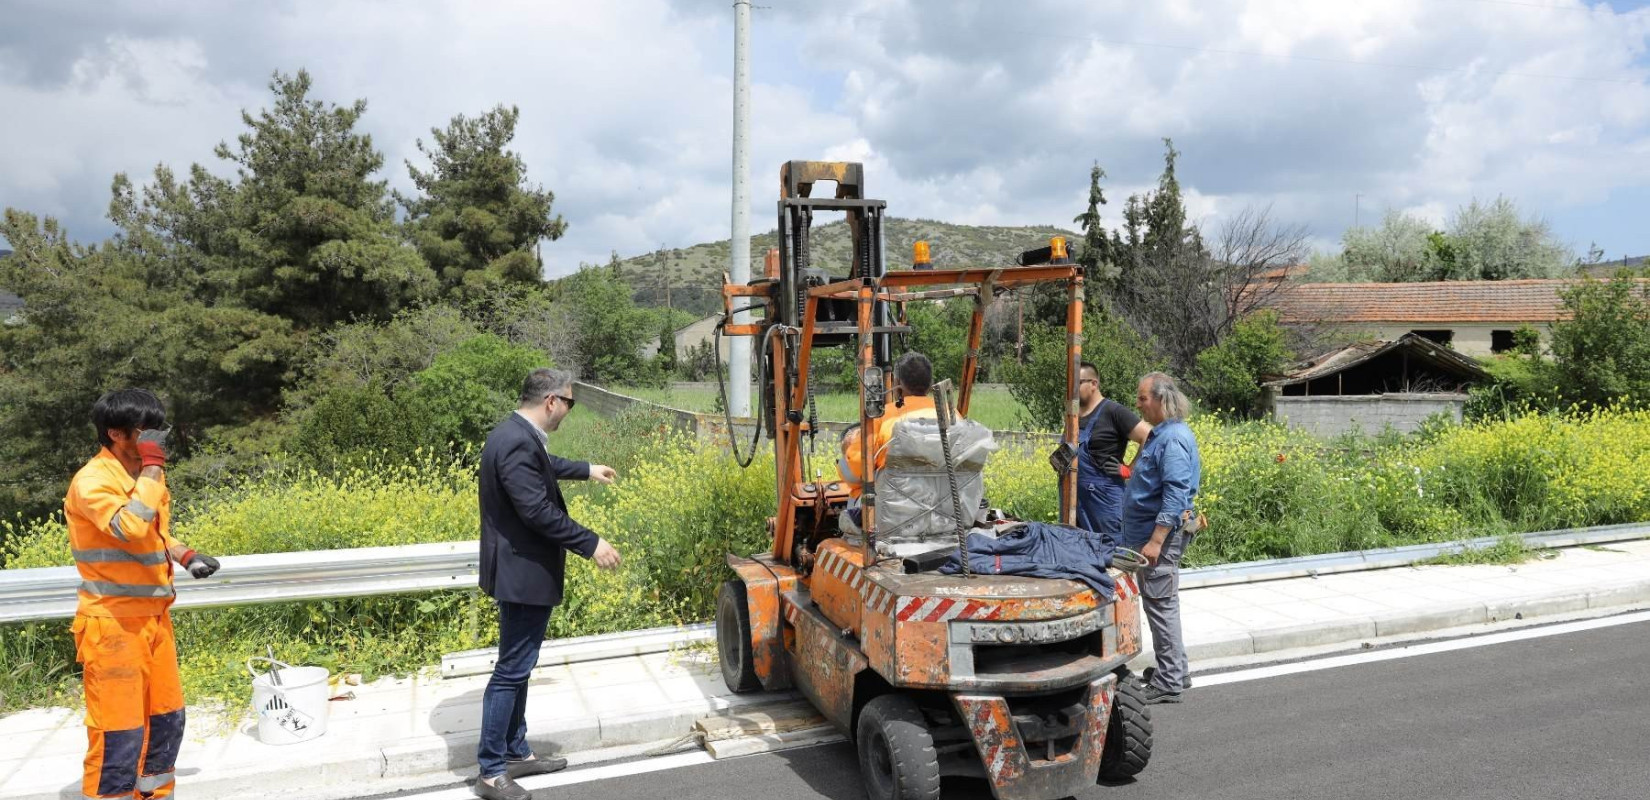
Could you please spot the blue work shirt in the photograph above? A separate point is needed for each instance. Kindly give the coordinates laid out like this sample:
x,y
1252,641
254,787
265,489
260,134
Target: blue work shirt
x,y
1166,477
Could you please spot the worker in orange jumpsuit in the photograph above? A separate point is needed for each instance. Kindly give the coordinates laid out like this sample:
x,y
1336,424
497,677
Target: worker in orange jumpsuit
x,y
119,512
913,377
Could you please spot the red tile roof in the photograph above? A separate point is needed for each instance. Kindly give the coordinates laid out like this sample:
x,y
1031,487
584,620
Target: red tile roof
x,y
1446,301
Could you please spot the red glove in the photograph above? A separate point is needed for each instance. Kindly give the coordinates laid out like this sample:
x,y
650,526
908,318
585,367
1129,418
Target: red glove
x,y
1124,471
151,446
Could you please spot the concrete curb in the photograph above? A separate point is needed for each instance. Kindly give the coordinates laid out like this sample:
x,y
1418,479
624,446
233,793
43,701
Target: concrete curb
x,y
1355,630
434,760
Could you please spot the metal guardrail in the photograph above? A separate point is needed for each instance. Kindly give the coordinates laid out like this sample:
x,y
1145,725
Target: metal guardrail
x,y
49,593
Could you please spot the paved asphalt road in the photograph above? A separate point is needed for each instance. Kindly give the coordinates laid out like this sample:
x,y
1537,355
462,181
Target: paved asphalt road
x,y
1565,716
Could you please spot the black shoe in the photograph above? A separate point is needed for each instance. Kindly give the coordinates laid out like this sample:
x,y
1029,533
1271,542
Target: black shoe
x,y
534,765
1154,695
502,789
1148,673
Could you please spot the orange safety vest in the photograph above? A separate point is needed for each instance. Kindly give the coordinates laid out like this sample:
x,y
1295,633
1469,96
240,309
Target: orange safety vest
x,y
119,531
851,465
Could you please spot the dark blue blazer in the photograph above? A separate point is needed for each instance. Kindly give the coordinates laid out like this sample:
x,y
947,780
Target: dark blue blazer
x,y
525,530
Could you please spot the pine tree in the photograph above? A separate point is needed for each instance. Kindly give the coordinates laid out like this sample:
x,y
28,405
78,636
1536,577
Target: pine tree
x,y
477,220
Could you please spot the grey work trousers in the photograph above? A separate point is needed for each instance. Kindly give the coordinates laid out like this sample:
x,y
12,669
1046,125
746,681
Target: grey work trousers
x,y
1160,596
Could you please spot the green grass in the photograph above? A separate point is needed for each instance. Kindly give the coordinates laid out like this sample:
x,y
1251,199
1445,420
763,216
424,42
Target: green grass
x,y
993,406
1509,550
679,507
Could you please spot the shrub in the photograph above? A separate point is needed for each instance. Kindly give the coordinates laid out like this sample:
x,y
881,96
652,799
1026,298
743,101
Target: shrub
x,y
1228,375
351,423
464,392
1602,353
1121,356
1519,381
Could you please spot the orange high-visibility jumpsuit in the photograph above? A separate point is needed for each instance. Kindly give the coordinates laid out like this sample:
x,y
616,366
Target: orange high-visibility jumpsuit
x,y
119,531
851,465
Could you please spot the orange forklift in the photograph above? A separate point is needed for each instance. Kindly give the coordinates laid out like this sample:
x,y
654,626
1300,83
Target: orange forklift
x,y
1018,680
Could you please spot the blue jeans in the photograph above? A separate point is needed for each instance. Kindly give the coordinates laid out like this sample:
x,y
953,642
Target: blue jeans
x,y
1100,506
504,703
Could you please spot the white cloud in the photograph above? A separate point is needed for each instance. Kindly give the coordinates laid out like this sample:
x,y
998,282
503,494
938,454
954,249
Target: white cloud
x,y
982,112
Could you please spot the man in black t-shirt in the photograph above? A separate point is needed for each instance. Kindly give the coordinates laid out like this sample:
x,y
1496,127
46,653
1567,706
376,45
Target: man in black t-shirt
x,y
1103,434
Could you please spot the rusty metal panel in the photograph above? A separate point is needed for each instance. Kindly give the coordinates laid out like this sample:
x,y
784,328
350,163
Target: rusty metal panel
x,y
1102,696
825,663
922,655
1128,617
1013,771
995,738
836,582
932,597
876,634
762,588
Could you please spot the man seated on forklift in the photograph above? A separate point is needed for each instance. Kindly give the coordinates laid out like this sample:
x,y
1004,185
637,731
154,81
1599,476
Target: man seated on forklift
x,y
913,377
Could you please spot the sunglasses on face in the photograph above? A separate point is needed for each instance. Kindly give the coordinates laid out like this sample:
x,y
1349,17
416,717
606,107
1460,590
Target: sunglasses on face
x,y
568,401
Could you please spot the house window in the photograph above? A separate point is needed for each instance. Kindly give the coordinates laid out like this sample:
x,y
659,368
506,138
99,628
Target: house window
x,y
1443,336
1501,341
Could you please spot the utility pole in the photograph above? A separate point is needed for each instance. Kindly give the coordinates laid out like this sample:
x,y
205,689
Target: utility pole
x,y
739,248
1019,327
1357,217
664,273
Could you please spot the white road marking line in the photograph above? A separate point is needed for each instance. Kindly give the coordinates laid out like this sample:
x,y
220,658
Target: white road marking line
x,y
680,760
576,776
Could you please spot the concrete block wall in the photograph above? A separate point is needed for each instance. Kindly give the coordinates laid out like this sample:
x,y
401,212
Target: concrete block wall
x,y
1332,416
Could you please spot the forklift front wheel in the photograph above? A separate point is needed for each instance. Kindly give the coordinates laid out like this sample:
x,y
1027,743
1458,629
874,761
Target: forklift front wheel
x,y
733,638
1128,734
897,759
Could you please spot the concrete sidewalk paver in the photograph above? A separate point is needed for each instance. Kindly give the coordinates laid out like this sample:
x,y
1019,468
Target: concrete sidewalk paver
x,y
421,730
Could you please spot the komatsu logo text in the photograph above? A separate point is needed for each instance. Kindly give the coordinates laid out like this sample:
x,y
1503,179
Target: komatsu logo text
x,y
1058,630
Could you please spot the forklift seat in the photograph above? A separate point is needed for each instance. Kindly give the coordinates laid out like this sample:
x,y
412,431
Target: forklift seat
x,y
914,505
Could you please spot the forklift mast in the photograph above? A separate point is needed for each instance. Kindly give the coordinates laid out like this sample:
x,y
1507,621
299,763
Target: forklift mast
x,y
808,307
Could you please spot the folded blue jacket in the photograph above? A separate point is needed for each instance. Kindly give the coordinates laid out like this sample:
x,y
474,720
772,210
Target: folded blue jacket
x,y
1042,550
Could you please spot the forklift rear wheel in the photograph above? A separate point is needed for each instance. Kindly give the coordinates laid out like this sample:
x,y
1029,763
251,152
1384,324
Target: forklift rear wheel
x,y
897,759
733,638
1128,734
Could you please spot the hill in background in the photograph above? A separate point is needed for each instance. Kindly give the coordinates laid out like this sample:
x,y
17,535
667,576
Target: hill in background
x,y
693,275
1608,268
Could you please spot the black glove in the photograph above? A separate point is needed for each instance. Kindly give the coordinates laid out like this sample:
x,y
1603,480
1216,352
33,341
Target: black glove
x,y
199,565
1116,469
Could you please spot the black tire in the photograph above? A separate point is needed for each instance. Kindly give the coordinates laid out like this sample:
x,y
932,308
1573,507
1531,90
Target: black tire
x,y
733,639
1128,734
897,759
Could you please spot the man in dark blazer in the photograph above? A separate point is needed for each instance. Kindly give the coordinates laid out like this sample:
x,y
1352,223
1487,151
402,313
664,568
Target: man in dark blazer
x,y
525,536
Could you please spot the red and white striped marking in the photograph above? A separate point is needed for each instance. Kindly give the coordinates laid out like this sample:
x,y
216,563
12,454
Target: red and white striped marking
x,y
943,609
1126,587
905,609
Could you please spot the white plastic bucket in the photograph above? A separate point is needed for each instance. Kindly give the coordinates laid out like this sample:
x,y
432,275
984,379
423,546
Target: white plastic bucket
x,y
296,710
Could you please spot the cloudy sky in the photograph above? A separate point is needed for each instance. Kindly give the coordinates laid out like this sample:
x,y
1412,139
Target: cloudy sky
x,y
977,112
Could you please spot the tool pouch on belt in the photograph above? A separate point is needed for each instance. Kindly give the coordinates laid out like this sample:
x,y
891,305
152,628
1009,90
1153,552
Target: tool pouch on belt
x,y
1162,579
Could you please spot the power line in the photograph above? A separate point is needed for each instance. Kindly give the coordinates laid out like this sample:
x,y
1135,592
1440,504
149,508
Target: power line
x,y
1309,59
